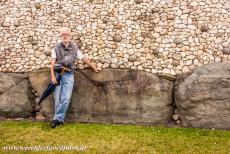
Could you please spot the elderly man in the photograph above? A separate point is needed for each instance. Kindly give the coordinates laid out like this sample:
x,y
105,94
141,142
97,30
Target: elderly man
x,y
64,54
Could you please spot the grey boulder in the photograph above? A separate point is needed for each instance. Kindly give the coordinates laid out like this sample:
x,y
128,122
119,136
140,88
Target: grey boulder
x,y
203,98
14,95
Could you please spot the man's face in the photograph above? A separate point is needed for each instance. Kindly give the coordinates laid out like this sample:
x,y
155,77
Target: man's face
x,y
65,36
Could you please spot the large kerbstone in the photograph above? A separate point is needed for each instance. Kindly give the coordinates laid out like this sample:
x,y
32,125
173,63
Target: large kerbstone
x,y
39,81
114,96
203,97
8,80
14,95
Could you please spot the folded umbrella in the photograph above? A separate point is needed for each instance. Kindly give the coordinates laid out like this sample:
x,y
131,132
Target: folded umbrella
x,y
51,87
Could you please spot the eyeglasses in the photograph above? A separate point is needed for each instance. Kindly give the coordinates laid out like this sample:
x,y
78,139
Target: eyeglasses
x,y
65,34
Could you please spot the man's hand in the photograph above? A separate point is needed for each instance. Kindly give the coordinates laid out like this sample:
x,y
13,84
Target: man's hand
x,y
53,80
92,65
96,69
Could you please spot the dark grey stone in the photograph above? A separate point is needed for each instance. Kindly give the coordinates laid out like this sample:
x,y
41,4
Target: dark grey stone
x,y
177,41
132,58
203,99
117,38
14,96
226,51
138,1
204,28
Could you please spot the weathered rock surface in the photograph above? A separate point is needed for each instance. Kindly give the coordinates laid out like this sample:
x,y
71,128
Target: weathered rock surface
x,y
114,96
39,81
127,96
8,80
14,95
203,97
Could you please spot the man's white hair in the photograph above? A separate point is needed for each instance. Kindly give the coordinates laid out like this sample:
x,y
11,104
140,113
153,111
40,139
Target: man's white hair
x,y
64,29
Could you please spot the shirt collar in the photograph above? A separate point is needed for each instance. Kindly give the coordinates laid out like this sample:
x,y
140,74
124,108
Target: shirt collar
x,y
68,47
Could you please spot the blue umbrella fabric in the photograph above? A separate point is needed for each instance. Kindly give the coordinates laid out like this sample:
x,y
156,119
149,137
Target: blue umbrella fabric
x,y
51,87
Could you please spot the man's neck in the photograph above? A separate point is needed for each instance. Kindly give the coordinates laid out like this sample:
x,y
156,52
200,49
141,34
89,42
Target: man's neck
x,y
66,44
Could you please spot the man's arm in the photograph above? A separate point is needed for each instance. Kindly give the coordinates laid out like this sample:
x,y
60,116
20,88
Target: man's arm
x,y
53,77
93,66
53,61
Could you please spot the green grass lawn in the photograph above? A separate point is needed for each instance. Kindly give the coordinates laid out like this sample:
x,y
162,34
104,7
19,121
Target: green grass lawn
x,y
108,138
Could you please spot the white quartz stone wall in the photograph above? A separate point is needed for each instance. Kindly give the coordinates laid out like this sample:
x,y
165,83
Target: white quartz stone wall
x,y
158,36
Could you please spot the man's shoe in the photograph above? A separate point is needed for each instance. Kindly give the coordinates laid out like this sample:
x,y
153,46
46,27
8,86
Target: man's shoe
x,y
55,123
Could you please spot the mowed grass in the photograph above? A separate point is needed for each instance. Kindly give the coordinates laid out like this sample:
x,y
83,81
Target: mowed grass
x,y
108,138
